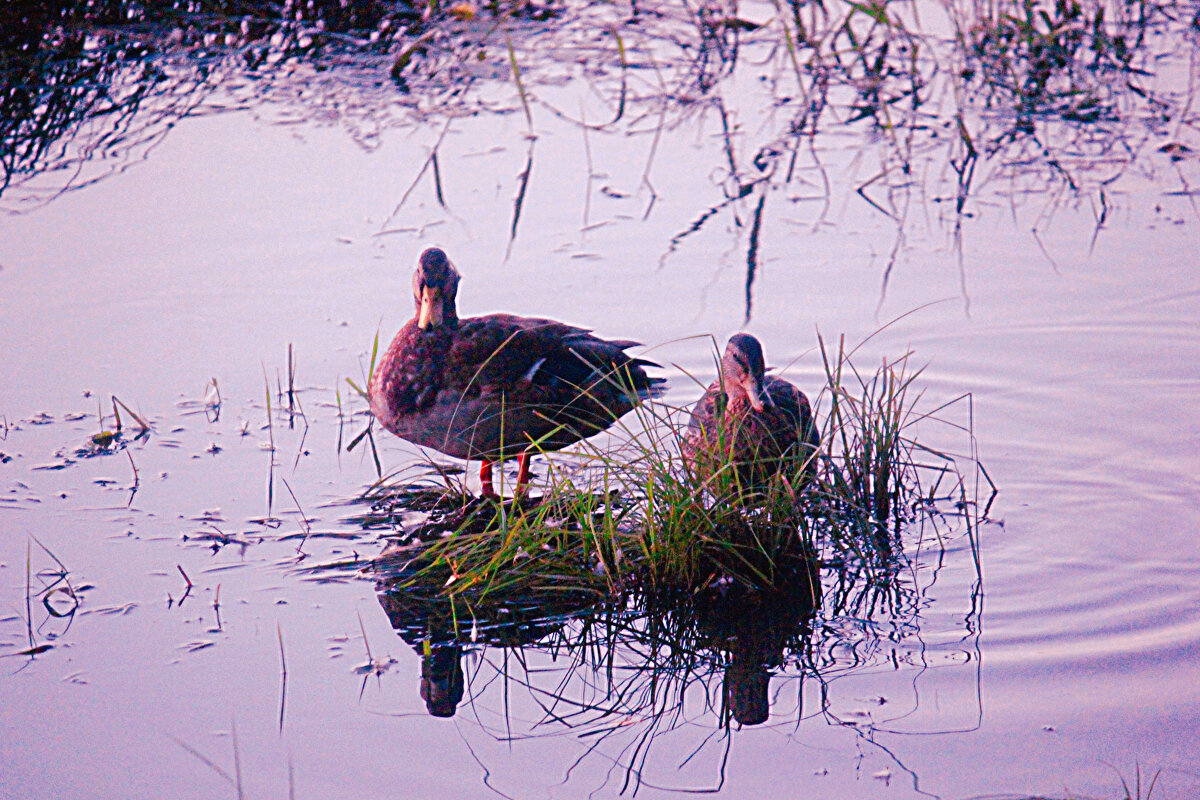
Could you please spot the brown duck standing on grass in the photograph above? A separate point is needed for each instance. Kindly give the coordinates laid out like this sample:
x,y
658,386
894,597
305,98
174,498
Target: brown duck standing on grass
x,y
487,388
749,419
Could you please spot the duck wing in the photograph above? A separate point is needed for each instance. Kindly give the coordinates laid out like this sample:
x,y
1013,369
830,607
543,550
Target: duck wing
x,y
550,374
504,351
794,404
702,429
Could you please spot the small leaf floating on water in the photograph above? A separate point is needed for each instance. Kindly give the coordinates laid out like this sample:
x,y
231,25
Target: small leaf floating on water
x,y
212,394
463,11
56,465
33,651
120,610
1177,151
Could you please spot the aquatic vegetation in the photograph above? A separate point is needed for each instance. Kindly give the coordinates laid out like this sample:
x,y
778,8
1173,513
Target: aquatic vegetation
x,y
628,516
1023,84
657,596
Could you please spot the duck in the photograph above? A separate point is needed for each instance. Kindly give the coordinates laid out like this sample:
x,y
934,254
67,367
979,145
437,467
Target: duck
x,y
754,421
490,387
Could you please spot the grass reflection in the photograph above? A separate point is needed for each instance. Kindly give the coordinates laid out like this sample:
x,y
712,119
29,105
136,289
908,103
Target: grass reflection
x,y
642,678
652,623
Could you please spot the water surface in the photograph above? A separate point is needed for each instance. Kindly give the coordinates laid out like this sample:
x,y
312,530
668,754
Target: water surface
x,y
1068,315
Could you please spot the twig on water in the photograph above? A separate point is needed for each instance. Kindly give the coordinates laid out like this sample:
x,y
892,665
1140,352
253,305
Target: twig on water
x,y
212,401
519,200
203,759
516,71
370,437
188,590
217,605
372,665
291,390
283,682
437,179
366,643
752,255
237,759
28,589
429,161
136,479
142,424
271,438
337,394
303,519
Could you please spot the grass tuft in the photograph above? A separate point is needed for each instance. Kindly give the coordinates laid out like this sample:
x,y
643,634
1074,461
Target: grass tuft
x,y
626,517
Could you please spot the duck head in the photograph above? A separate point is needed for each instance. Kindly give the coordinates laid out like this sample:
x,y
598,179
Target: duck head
x,y
435,284
742,371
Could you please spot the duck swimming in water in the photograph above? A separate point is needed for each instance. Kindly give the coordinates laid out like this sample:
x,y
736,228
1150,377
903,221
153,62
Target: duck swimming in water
x,y
487,388
749,419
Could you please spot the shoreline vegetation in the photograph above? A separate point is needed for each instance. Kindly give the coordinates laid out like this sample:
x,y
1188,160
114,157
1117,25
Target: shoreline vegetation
x,y
1062,94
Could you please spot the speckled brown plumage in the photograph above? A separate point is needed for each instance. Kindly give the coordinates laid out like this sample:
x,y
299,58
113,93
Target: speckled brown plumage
x,y
727,428
489,387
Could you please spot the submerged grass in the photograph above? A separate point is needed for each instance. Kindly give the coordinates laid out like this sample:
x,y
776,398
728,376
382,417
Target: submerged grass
x,y
632,519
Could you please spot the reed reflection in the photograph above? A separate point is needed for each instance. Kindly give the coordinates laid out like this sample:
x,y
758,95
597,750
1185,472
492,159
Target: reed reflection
x,y
733,633
1068,90
638,673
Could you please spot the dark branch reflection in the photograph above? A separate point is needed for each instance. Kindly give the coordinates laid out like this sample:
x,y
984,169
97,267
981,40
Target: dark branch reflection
x,y
1064,93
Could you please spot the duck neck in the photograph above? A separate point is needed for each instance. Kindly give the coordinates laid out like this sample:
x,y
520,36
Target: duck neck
x,y
449,314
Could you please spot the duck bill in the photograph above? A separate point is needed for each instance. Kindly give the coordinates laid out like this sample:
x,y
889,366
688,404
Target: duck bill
x,y
755,394
430,315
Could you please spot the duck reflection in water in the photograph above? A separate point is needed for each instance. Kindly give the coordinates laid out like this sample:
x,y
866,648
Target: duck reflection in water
x,y
442,681
754,628
744,632
428,626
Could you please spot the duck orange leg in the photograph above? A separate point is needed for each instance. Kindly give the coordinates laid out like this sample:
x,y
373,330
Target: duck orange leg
x,y
522,473
488,487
